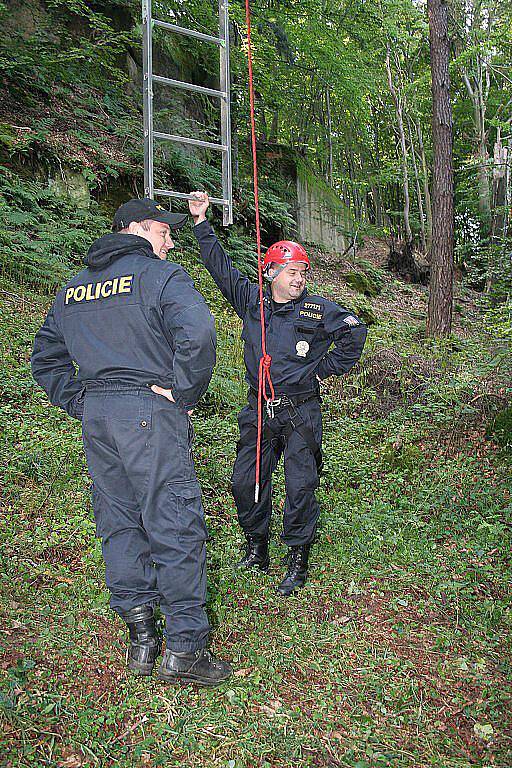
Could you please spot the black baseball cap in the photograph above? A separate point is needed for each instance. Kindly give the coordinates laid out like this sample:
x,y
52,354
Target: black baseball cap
x,y
139,210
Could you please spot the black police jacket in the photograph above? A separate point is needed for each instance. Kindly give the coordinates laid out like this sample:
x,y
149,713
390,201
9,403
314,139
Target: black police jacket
x,y
129,318
307,338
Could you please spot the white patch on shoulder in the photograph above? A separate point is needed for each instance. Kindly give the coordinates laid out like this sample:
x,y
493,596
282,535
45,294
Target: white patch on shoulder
x,y
351,320
302,348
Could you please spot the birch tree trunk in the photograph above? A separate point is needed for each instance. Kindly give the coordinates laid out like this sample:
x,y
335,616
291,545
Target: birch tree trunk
x,y
403,147
419,196
500,186
439,319
375,189
478,81
426,185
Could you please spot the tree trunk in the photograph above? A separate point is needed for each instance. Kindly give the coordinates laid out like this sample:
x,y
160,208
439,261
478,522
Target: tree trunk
x,y
477,82
426,186
375,190
403,146
329,134
274,126
440,302
499,210
377,205
421,214
499,189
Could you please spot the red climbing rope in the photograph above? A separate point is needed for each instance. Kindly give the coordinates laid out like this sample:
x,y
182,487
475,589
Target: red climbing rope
x,y
265,360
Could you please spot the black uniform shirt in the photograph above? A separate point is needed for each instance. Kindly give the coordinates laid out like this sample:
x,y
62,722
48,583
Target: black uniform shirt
x,y
307,338
129,318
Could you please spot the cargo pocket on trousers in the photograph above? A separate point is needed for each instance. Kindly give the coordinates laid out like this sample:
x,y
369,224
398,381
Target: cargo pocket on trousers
x,y
186,510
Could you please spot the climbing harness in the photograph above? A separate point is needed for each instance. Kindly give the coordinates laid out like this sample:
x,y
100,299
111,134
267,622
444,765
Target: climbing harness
x,y
288,403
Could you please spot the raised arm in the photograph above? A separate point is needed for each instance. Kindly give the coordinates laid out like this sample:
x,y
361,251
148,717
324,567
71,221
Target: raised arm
x,y
234,286
348,334
53,368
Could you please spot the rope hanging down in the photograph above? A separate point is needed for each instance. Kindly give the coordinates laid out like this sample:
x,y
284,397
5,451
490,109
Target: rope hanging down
x,y
265,360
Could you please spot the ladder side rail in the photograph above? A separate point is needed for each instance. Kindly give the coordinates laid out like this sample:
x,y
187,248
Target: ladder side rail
x,y
225,116
147,91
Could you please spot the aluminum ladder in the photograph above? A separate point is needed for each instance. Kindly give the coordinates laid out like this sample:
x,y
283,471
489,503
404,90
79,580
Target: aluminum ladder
x,y
148,22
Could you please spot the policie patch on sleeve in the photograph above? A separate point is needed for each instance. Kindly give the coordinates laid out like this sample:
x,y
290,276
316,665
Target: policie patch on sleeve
x,y
351,320
102,290
312,310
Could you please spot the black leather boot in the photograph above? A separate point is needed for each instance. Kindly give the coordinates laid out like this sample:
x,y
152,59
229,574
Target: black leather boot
x,y
256,554
145,644
200,667
297,570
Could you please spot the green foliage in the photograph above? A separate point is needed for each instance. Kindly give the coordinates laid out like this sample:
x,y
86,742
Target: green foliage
x,y
500,319
33,62
43,238
411,564
500,429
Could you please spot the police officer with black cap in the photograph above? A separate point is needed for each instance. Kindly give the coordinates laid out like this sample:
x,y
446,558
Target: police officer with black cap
x,y
128,347
309,338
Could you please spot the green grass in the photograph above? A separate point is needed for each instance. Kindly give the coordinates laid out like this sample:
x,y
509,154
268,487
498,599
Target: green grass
x,y
396,653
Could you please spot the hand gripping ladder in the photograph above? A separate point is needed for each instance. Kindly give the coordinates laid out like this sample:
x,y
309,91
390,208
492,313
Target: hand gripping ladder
x,y
226,201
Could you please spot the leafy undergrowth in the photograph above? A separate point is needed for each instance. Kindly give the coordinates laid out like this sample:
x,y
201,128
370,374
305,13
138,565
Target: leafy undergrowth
x,y
394,654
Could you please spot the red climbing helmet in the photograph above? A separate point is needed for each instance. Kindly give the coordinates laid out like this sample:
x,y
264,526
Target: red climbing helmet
x,y
284,252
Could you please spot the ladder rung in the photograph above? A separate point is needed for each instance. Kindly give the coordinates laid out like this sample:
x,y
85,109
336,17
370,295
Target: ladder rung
x,y
194,142
184,196
188,32
189,86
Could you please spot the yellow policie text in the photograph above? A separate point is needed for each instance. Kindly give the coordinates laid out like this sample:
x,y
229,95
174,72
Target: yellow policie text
x,y
93,291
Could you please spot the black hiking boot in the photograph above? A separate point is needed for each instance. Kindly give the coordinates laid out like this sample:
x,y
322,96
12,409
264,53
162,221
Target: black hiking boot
x,y
256,554
145,645
200,667
297,570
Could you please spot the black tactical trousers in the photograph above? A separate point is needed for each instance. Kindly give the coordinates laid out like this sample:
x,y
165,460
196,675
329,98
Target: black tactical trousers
x,y
301,509
148,509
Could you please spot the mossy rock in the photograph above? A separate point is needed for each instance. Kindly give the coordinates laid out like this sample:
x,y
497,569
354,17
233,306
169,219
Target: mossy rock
x,y
8,136
500,429
405,457
364,310
73,185
362,283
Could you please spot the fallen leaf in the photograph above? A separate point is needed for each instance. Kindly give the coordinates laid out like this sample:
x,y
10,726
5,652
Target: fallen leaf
x,y
273,707
484,732
71,761
243,672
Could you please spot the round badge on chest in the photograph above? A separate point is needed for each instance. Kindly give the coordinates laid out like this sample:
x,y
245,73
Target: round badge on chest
x,y
302,348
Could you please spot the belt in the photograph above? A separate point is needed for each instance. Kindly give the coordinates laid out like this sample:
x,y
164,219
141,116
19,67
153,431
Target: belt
x,y
110,385
282,399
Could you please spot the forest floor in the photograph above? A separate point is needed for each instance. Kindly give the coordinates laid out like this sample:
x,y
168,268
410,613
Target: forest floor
x,y
396,652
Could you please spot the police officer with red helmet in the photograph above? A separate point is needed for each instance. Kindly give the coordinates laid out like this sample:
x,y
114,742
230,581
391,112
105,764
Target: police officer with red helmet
x,y
309,338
